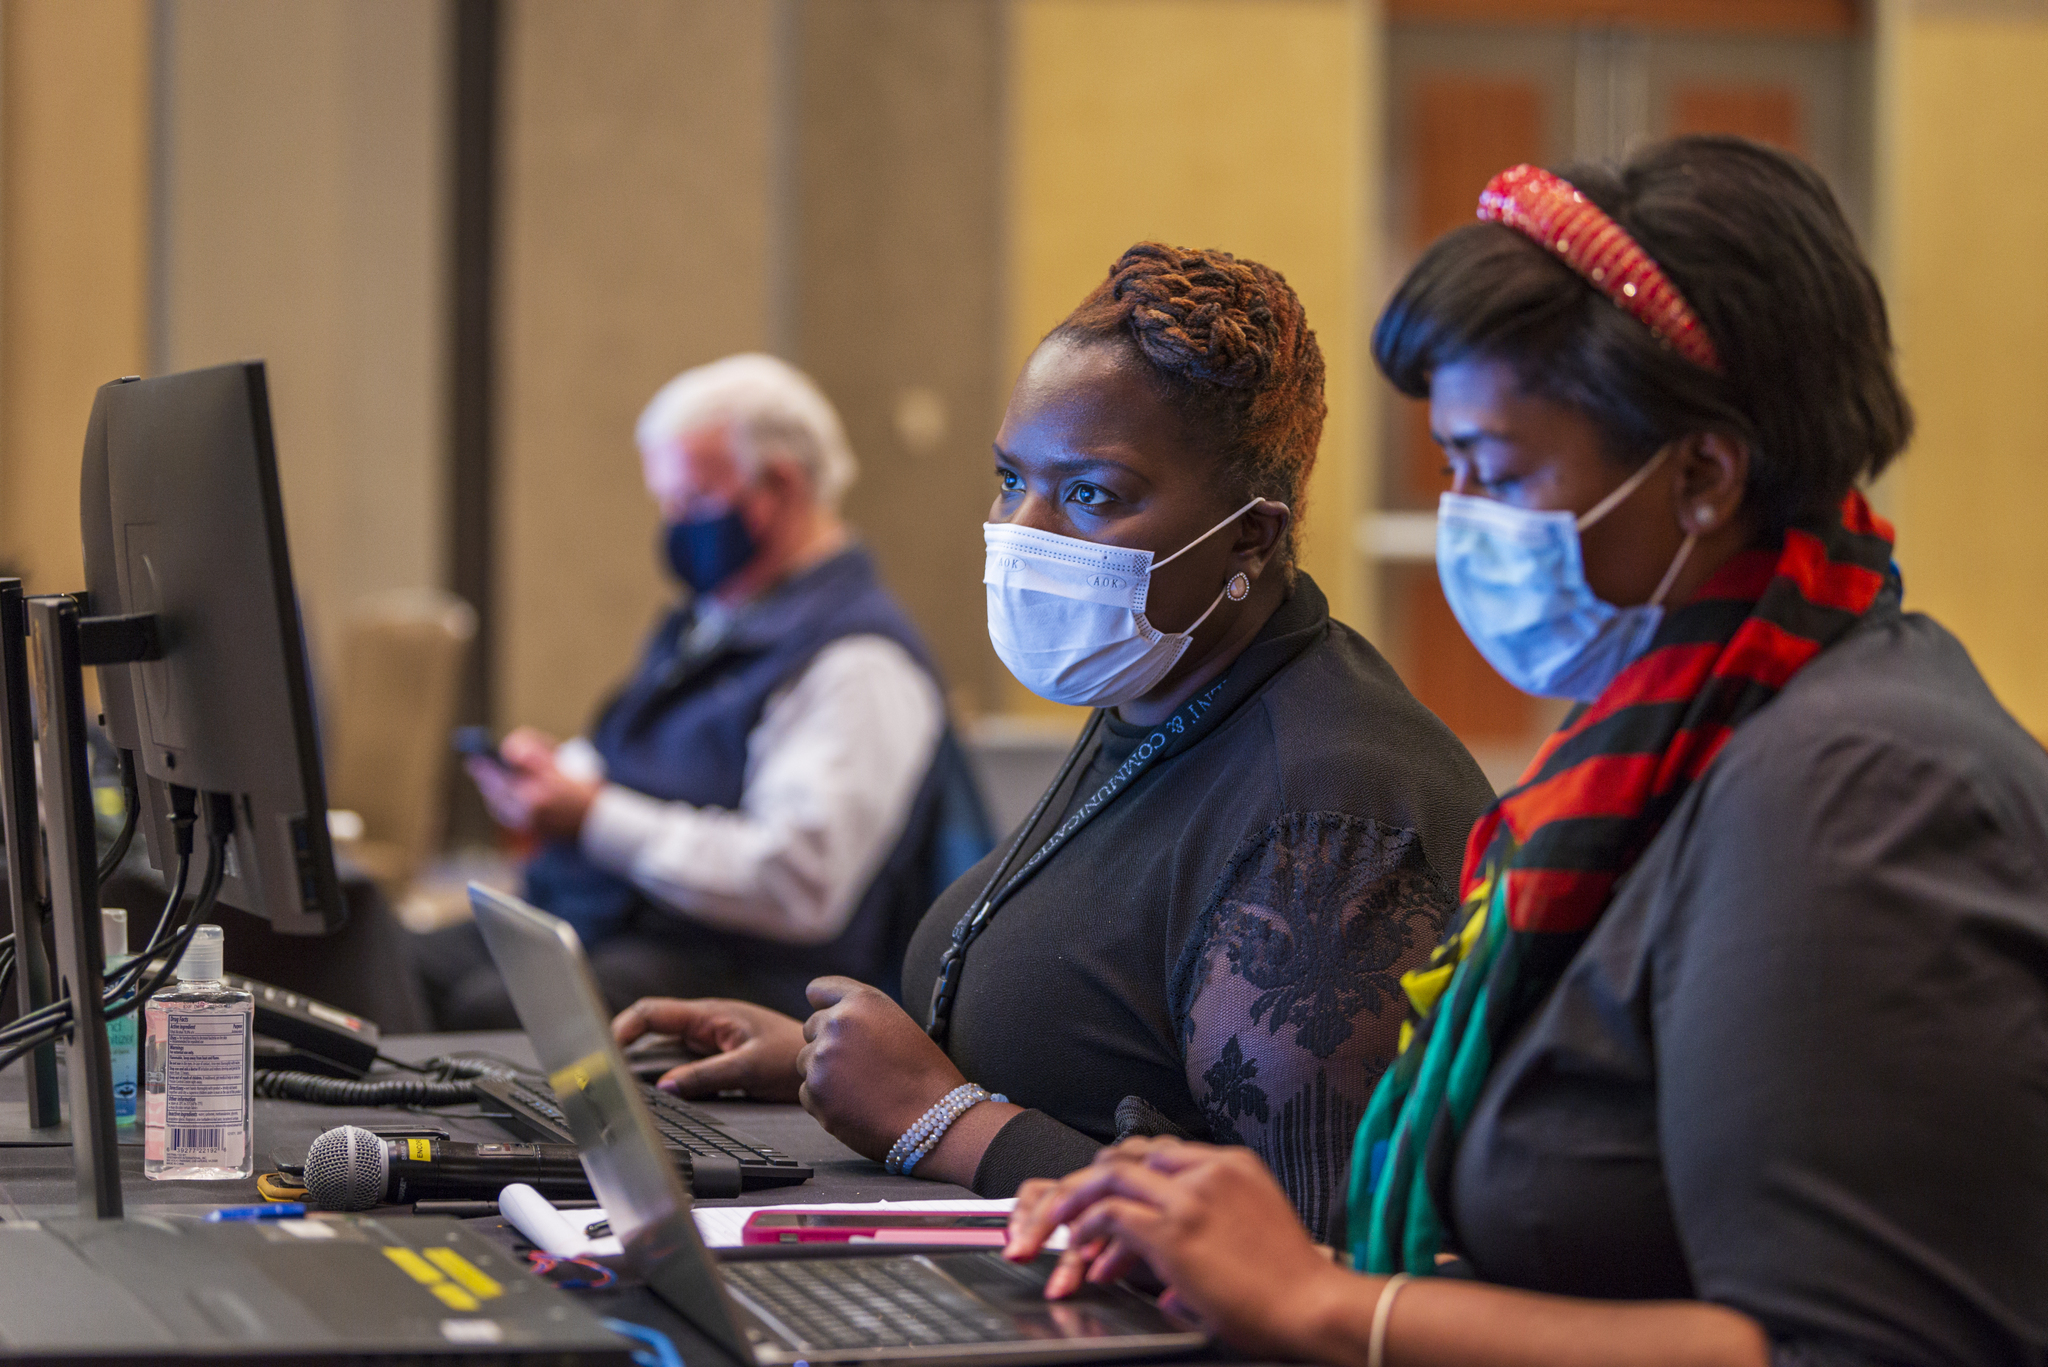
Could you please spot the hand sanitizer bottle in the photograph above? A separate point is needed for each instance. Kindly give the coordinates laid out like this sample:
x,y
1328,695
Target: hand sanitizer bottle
x,y
120,1032
199,1037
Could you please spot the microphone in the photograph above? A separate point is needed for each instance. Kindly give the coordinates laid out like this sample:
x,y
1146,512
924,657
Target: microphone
x,y
349,1168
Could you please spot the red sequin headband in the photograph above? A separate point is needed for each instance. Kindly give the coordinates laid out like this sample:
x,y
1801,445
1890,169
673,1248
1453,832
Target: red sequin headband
x,y
1554,215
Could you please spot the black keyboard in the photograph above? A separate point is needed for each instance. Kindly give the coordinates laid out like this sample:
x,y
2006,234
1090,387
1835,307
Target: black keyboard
x,y
865,1303
717,1161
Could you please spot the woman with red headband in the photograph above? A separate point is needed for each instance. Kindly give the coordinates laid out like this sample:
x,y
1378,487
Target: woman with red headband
x,y
1737,1049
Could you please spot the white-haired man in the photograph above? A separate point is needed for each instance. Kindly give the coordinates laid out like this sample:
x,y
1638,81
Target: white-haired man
x,y
755,806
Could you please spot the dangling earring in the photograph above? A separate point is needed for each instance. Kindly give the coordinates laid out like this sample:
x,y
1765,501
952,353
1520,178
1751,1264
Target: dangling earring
x,y
1239,588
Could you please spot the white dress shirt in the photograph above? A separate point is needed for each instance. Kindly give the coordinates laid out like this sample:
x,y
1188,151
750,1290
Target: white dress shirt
x,y
832,769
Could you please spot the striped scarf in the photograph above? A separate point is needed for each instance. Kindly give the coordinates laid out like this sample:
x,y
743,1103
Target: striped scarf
x,y
1543,862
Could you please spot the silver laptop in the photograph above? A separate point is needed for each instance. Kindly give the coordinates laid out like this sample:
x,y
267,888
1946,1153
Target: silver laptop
x,y
880,1306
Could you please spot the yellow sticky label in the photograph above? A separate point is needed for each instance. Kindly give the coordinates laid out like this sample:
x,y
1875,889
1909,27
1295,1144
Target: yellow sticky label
x,y
578,1076
455,1298
414,1266
420,1150
472,1277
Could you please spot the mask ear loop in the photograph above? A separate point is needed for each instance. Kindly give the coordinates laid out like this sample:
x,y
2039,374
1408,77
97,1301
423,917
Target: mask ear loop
x,y
1217,601
1677,564
1211,532
1623,490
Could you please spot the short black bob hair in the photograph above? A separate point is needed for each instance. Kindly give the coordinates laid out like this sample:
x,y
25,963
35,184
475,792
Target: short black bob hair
x,y
1756,243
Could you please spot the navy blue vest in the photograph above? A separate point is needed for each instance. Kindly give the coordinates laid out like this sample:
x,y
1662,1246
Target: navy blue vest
x,y
678,731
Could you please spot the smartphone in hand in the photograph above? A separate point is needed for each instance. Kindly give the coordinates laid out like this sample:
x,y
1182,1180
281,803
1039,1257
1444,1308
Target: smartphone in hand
x,y
474,742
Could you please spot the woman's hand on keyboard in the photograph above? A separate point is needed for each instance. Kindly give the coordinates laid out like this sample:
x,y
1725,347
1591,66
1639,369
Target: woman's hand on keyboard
x,y
750,1048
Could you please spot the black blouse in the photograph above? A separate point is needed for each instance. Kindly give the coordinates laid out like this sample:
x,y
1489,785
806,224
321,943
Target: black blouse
x,y
1800,1067
1225,939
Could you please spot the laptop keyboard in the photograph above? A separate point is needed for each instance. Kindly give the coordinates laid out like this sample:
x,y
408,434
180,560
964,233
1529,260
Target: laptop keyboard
x,y
682,1126
866,1303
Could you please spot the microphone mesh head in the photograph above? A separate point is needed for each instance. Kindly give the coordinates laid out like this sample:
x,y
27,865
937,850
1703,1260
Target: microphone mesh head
x,y
346,1169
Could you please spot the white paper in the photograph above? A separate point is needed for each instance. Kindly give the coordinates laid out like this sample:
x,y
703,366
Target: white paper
x,y
554,1231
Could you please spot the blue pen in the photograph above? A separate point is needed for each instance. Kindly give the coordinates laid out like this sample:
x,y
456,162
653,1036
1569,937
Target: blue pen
x,y
275,1210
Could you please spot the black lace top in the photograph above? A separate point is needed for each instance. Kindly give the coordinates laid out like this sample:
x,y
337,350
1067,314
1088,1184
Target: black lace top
x,y
1225,940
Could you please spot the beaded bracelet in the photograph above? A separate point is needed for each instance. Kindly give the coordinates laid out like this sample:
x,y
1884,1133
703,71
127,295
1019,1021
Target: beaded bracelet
x,y
924,1136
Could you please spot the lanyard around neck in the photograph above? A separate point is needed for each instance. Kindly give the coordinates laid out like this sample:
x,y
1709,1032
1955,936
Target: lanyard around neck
x,y
1171,737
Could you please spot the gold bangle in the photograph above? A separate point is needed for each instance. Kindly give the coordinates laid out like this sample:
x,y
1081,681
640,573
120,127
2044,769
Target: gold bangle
x,y
1376,1342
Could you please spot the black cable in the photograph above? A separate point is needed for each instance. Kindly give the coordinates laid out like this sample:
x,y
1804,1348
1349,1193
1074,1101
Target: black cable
x,y
287,1084
184,816
209,894
131,791
448,1082
53,1022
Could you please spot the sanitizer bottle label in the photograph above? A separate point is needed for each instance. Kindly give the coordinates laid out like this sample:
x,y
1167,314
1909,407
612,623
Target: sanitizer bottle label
x,y
205,1093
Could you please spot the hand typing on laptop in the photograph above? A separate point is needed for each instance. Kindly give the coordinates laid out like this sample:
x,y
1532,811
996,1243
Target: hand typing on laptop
x,y
860,1064
1211,1223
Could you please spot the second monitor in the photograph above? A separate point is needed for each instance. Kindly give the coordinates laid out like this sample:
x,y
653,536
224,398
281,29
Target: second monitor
x,y
183,519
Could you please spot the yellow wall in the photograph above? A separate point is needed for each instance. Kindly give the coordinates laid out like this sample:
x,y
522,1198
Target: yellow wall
x,y
302,221
1968,247
74,222
1119,133
637,230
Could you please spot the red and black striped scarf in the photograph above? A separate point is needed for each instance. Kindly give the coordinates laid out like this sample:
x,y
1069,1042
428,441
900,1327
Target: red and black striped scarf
x,y
1542,864
1601,786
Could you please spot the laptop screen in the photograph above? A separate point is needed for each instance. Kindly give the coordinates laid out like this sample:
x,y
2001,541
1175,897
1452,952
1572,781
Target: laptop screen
x,y
565,1018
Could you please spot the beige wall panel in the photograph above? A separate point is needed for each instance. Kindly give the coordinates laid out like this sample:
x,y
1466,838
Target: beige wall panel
x,y
1238,124
74,220
635,240
1969,216
898,298
303,222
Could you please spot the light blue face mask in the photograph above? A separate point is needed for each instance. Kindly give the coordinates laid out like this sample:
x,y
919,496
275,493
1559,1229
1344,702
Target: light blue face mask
x,y
1516,582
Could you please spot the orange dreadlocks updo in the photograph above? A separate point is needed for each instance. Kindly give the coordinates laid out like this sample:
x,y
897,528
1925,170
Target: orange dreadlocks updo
x,y
1229,346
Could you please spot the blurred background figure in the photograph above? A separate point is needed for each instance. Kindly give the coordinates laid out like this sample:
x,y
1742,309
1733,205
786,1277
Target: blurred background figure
x,y
774,793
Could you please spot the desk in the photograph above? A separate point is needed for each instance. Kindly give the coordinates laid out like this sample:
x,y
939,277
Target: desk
x,y
38,1183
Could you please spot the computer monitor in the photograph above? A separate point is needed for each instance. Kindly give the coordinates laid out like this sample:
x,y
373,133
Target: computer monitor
x,y
182,519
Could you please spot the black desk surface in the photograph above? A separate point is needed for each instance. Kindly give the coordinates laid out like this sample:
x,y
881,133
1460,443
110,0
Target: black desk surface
x,y
37,1183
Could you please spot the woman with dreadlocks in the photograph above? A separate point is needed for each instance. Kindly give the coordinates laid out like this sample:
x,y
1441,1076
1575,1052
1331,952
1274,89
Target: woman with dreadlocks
x,y
1737,1049
1202,927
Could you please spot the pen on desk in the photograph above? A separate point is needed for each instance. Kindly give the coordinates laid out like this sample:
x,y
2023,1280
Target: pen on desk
x,y
275,1210
461,1210
470,1210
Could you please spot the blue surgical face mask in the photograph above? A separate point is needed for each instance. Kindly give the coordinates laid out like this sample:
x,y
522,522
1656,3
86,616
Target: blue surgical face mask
x,y
707,552
1516,581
